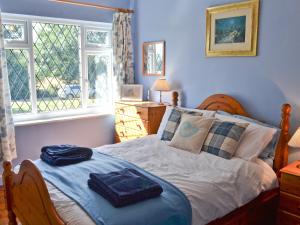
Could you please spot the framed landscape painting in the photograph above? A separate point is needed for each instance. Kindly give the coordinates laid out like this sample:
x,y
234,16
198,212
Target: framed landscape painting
x,y
231,30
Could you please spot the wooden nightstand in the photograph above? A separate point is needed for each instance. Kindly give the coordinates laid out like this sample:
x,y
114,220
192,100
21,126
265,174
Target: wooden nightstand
x,y
289,208
137,119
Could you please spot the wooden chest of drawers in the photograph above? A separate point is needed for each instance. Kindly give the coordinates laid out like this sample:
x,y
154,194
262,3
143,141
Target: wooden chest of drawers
x,y
137,119
289,207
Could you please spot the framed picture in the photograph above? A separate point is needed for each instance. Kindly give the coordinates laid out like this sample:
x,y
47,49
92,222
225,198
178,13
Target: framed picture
x,y
154,58
132,92
231,30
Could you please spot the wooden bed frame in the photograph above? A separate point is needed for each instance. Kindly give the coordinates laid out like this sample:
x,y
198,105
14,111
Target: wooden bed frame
x,y
28,199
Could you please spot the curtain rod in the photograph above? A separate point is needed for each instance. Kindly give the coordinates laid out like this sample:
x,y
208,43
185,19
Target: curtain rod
x,y
93,5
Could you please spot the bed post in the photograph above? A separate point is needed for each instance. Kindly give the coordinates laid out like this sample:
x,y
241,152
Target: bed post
x,y
282,150
7,181
175,98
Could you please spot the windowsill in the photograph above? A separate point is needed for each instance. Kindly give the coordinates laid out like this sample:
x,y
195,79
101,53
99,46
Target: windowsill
x,y
60,119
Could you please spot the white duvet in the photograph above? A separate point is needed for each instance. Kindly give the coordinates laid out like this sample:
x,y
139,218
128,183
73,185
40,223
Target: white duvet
x,y
213,185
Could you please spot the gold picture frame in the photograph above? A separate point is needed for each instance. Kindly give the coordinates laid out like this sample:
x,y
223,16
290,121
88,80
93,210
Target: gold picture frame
x,y
232,29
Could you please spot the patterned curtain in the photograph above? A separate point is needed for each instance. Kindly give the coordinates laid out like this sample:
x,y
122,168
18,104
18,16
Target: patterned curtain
x,y
7,130
123,50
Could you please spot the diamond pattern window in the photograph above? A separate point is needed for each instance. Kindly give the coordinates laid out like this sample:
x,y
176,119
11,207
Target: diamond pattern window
x,y
18,74
14,32
55,68
98,38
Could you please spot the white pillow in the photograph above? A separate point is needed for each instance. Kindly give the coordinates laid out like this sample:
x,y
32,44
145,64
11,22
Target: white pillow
x,y
205,113
164,121
254,140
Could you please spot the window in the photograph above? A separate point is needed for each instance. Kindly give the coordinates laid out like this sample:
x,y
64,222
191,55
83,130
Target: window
x,y
15,31
98,82
17,64
96,37
57,65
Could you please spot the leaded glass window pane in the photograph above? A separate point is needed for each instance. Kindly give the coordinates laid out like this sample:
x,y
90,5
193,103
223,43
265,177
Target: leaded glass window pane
x,y
56,64
17,66
96,37
14,32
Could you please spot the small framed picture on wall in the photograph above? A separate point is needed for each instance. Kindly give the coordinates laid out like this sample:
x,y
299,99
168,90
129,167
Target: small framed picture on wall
x,y
132,92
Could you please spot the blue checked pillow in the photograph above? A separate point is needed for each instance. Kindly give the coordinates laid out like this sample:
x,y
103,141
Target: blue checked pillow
x,y
174,121
223,138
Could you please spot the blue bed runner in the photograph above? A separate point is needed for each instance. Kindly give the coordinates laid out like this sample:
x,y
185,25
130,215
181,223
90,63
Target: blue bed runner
x,y
170,208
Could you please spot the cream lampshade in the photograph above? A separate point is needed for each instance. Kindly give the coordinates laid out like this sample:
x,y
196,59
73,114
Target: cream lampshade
x,y
295,140
295,143
160,85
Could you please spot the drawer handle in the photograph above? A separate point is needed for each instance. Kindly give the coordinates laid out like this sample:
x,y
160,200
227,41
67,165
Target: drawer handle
x,y
139,126
122,110
122,133
122,121
138,112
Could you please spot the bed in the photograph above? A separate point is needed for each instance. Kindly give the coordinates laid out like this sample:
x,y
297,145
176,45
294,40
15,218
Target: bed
x,y
32,200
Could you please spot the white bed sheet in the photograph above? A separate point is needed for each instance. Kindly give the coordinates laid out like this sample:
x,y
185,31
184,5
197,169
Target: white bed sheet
x,y
213,185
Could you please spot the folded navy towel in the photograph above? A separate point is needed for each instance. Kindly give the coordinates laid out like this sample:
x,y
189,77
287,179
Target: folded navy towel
x,y
124,187
62,155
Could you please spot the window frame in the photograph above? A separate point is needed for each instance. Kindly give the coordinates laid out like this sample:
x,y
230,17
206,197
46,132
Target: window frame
x,y
84,50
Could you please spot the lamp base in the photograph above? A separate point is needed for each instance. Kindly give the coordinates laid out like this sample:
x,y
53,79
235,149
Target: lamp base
x,y
160,102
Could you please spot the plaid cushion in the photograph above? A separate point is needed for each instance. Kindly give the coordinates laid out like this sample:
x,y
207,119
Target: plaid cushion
x,y
223,138
174,121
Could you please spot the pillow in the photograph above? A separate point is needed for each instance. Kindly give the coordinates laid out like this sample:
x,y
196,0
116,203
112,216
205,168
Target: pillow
x,y
173,122
269,151
255,139
162,126
205,113
164,121
191,133
223,138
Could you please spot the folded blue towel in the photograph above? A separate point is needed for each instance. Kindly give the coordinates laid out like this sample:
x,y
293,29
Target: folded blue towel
x,y
124,187
62,155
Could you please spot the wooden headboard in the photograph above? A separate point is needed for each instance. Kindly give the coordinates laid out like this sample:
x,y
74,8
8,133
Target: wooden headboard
x,y
231,105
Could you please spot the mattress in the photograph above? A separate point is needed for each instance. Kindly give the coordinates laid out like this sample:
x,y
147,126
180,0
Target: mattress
x,y
213,185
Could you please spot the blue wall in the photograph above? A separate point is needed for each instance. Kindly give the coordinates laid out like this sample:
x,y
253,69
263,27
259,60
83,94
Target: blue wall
x,y
52,9
261,83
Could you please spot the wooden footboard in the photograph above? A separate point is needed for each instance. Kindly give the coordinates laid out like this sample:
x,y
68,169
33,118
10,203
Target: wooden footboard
x,y
27,196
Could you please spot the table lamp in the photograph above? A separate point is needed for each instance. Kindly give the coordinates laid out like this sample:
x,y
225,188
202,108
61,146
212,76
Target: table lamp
x,y
295,141
160,85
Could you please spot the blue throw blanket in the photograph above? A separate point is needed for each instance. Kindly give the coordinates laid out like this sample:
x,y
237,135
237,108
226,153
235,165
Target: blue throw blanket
x,y
124,187
62,155
171,208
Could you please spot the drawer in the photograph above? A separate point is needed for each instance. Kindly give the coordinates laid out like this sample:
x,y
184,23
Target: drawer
x,y
290,203
132,123
290,184
133,111
285,218
126,133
